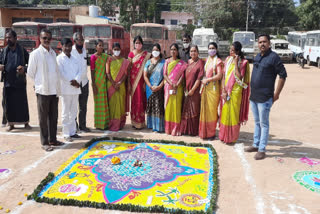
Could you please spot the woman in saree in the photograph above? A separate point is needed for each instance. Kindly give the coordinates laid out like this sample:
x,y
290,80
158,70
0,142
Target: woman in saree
x,y
210,93
116,69
191,105
173,74
99,86
153,76
235,94
138,59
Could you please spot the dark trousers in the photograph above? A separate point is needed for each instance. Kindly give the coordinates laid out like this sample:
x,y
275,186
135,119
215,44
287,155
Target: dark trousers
x,y
48,117
83,100
4,118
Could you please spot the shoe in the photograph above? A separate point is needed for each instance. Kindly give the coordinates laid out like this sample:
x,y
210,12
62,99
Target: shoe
x,y
47,148
75,136
85,130
10,128
260,155
56,143
251,149
68,139
27,126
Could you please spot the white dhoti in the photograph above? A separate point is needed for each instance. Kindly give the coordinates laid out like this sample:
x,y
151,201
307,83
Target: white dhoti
x,y
69,114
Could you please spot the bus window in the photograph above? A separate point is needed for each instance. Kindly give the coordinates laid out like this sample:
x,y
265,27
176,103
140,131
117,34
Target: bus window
x,y
154,32
89,31
166,34
138,31
104,31
2,33
54,31
66,32
26,30
116,33
122,33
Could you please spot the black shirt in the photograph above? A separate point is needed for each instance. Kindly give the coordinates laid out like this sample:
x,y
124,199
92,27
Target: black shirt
x,y
12,59
185,54
264,74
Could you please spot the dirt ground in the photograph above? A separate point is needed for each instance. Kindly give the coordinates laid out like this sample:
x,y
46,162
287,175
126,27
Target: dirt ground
x,y
245,185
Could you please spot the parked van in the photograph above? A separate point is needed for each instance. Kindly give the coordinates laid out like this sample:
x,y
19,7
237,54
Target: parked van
x,y
281,47
312,48
247,40
202,37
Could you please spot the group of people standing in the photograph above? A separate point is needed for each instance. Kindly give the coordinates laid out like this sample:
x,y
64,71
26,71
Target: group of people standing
x,y
180,95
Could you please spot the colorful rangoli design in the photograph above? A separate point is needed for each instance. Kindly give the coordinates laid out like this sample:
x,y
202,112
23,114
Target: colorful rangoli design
x,y
169,175
308,179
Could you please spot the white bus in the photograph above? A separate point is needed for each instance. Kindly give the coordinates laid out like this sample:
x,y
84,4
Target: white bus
x,y
202,37
297,42
247,40
312,48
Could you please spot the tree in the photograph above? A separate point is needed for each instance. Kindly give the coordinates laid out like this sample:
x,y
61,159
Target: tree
x,y
273,16
309,14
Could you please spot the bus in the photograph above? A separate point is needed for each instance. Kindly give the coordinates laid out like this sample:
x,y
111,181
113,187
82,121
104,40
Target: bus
x,y
153,33
312,48
61,30
247,40
297,40
109,34
202,37
28,34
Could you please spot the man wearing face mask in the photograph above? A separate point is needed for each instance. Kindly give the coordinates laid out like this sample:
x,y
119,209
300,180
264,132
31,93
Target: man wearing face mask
x,y
70,77
184,53
13,66
80,54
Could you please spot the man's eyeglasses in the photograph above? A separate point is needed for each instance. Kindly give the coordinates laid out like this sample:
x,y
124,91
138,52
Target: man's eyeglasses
x,y
46,38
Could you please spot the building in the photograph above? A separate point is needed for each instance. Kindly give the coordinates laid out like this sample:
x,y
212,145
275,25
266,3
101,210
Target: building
x,y
174,20
10,14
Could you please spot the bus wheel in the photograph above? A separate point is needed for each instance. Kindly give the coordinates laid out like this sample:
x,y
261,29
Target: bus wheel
x,y
318,62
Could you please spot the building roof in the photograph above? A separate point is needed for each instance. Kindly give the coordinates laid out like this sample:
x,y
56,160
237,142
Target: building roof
x,y
37,7
148,24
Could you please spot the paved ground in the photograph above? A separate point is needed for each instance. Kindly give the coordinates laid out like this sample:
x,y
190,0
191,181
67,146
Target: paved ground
x,y
246,185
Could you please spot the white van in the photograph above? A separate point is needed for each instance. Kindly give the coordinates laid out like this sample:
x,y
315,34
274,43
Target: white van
x,y
247,40
312,48
281,47
202,37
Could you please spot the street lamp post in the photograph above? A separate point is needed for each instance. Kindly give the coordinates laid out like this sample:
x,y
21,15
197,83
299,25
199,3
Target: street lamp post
x,y
247,22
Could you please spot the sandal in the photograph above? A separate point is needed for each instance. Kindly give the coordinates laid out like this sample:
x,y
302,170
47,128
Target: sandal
x,y
57,143
47,148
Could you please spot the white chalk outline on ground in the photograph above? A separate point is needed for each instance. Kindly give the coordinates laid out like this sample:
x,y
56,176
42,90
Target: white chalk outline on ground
x,y
239,149
19,208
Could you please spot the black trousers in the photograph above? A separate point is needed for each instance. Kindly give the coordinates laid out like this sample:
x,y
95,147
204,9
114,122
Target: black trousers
x,y
83,101
4,117
48,117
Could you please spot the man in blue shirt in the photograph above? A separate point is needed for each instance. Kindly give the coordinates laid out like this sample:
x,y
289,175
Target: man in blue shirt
x,y
266,66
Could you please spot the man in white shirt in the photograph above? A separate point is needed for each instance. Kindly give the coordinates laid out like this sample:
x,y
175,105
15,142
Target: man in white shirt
x,y
44,71
70,77
80,54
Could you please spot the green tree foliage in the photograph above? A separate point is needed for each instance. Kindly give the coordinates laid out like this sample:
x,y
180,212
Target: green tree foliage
x,y
273,16
309,14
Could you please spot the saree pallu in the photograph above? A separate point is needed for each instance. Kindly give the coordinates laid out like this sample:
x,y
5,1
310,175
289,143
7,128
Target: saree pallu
x,y
155,100
138,95
117,98
210,98
101,108
234,111
173,102
191,105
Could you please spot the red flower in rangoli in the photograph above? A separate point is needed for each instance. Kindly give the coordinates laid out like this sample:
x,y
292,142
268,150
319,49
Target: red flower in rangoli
x,y
201,151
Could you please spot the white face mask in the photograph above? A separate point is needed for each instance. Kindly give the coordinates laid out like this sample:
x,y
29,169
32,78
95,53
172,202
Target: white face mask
x,y
116,53
155,53
186,45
